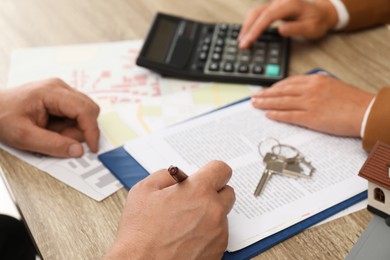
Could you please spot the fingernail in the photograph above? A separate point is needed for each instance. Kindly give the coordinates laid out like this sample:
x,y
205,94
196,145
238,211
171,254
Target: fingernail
x,y
75,150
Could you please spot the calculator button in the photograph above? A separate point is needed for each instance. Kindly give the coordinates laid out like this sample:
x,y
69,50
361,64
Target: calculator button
x,y
274,45
205,47
243,68
245,57
259,44
259,59
259,52
216,57
257,69
218,49
230,57
228,67
223,27
203,56
222,34
274,52
234,34
273,60
219,42
214,66
233,43
236,27
272,70
207,40
231,49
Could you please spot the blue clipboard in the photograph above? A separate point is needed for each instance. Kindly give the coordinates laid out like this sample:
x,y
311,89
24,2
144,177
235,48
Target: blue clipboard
x,y
128,171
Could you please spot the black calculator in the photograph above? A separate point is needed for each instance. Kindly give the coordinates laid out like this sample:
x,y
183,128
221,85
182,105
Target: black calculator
x,y
186,49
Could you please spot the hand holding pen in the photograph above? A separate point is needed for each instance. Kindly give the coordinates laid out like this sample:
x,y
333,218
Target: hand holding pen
x,y
185,221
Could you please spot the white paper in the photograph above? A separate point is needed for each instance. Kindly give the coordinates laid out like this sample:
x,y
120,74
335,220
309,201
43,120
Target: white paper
x,y
232,135
85,174
134,101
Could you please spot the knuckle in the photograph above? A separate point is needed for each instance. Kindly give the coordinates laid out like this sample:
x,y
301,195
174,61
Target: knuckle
x,y
55,81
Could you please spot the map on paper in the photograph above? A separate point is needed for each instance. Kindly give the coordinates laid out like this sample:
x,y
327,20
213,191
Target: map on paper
x,y
134,101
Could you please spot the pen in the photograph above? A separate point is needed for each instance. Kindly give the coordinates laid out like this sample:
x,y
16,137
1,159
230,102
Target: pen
x,y
177,174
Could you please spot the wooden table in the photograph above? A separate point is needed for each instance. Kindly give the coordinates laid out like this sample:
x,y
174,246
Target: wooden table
x,y
64,223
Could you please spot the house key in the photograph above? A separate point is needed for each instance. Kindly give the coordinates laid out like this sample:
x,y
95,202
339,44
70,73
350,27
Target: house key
x,y
272,166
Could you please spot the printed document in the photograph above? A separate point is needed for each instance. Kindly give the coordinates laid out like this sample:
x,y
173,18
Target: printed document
x,y
232,135
134,101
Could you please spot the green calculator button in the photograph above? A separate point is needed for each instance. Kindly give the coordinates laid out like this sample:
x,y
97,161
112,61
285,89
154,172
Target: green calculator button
x,y
272,70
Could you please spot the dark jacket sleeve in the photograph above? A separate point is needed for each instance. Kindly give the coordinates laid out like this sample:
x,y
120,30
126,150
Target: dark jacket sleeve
x,y
378,121
367,13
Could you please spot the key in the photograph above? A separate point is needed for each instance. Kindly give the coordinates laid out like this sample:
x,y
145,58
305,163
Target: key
x,y
264,178
292,169
299,167
272,166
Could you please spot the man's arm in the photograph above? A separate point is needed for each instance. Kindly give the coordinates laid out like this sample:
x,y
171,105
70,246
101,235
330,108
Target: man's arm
x,y
378,121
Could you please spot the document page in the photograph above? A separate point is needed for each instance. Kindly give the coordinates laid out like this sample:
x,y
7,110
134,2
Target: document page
x,y
232,135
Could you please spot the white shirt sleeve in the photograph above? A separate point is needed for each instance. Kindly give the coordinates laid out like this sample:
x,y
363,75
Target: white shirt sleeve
x,y
364,122
342,14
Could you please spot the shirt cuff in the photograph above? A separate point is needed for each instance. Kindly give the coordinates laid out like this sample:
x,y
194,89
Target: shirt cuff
x,y
364,122
342,13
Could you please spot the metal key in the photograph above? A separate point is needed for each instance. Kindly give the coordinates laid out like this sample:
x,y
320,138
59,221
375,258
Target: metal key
x,y
291,169
272,166
299,167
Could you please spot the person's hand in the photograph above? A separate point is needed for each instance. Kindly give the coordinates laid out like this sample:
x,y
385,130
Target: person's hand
x,y
311,20
166,220
317,102
48,117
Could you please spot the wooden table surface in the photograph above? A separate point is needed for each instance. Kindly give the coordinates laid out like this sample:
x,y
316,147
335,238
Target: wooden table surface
x,y
68,225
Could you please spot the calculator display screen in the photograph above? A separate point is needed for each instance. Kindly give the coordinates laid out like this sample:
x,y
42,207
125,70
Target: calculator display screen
x,y
161,40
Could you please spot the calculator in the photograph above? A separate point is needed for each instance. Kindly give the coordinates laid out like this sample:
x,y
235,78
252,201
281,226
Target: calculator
x,y
182,48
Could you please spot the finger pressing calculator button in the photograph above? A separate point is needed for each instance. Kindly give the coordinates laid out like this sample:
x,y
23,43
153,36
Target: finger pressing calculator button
x,y
272,70
243,68
228,67
214,66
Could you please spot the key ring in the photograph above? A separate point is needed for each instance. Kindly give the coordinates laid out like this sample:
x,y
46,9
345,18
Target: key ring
x,y
263,141
292,148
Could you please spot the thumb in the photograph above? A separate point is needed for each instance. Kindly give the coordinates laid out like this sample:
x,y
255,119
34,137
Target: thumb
x,y
159,180
50,143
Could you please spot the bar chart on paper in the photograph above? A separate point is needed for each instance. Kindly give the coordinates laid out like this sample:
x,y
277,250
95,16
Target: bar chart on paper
x,y
86,174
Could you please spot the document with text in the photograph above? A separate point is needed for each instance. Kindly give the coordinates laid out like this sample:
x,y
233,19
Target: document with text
x,y
232,135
